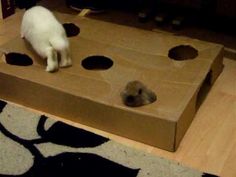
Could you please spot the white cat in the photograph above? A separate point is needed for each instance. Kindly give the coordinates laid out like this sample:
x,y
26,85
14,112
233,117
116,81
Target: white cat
x,y
47,36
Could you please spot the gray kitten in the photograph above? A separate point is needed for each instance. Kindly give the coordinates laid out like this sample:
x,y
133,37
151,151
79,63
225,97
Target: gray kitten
x,y
136,94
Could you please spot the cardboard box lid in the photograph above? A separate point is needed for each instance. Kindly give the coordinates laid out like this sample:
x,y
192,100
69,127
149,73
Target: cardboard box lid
x,y
143,41
137,55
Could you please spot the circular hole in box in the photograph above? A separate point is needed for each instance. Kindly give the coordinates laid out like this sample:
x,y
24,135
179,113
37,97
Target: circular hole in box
x,y
183,52
18,59
71,29
97,62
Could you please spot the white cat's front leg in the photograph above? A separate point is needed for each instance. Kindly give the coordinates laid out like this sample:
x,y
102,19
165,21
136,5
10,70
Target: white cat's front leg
x,y
52,61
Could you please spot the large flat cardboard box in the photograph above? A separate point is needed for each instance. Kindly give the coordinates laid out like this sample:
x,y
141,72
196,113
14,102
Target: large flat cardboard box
x,y
92,97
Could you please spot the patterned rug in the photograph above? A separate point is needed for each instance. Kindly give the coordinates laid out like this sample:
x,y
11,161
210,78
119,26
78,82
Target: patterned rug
x,y
33,145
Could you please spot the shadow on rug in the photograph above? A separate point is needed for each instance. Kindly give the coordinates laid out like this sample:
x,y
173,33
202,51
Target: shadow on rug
x,y
32,145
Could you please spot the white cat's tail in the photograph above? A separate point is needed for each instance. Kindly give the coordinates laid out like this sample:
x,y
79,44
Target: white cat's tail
x,y
58,43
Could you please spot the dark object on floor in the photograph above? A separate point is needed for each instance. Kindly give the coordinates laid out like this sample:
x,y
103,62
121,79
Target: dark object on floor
x,y
18,59
25,4
147,9
94,5
145,15
71,29
177,22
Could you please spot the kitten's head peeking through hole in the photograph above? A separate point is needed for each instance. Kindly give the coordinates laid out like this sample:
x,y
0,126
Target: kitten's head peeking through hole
x,y
136,94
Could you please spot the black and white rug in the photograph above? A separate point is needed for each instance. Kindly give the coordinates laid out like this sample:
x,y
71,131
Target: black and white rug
x,y
33,145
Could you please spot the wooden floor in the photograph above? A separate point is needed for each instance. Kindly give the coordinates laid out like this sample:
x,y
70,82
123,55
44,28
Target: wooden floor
x,y
210,143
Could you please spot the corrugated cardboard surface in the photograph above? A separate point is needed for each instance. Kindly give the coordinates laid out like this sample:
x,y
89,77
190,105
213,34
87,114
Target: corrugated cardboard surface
x,y
93,97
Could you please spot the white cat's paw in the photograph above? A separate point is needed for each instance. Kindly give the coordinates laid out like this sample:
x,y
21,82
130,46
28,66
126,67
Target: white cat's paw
x,y
52,69
65,63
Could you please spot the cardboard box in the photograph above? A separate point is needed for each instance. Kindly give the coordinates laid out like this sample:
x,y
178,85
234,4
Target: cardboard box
x,y
7,8
92,97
